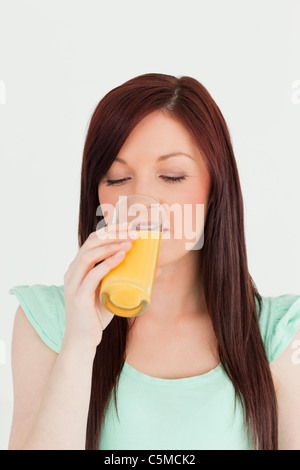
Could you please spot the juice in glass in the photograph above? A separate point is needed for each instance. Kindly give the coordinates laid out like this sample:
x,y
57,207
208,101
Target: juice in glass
x,y
126,290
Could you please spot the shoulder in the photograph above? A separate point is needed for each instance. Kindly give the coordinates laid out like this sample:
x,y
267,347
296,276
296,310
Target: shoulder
x,y
279,322
45,309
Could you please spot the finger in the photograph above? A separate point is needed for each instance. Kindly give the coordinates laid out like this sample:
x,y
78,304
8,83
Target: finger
x,y
85,261
93,242
109,236
95,275
110,228
114,228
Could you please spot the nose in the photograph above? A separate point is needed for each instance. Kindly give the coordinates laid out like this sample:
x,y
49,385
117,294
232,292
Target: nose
x,y
137,190
145,190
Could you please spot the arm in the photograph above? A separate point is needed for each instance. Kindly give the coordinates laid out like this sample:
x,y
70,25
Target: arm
x,y
51,391
286,375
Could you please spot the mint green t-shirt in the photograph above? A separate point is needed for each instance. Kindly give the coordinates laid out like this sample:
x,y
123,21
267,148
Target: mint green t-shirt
x,y
168,414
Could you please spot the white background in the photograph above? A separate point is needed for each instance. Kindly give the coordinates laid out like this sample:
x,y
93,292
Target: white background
x,y
58,58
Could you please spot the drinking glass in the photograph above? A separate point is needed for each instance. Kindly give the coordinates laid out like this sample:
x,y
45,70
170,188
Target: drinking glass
x,y
126,290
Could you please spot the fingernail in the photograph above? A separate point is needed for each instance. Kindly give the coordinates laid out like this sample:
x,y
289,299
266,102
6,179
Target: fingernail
x,y
125,243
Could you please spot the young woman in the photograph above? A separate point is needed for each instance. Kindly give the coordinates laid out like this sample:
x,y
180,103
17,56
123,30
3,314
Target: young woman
x,y
211,364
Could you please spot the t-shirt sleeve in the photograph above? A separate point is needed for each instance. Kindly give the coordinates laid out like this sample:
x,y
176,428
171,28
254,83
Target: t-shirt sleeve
x,y
44,308
279,323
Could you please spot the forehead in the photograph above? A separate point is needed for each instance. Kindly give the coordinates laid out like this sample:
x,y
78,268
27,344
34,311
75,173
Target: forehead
x,y
157,135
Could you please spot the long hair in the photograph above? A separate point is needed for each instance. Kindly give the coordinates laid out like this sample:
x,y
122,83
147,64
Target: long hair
x,y
232,298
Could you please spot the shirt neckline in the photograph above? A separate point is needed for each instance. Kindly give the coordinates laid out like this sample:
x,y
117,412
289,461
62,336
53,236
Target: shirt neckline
x,y
171,383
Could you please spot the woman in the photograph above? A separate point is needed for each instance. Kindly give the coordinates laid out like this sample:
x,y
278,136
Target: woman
x,y
208,365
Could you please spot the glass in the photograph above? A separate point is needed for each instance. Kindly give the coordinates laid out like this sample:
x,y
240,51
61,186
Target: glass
x,y
126,290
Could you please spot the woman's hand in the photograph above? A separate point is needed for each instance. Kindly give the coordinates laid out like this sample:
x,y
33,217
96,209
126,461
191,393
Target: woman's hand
x,y
86,318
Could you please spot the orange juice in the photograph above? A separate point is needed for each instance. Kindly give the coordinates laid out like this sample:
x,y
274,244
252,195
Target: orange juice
x,y
126,290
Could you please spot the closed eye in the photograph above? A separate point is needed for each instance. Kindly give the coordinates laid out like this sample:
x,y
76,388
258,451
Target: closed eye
x,y
168,179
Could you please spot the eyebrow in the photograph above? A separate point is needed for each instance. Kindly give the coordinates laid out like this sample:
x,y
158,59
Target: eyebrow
x,y
162,157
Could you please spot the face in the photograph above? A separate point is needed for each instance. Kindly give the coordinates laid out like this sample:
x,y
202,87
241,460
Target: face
x,y
176,180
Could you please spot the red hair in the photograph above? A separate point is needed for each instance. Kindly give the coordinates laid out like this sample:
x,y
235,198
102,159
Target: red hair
x,y
231,295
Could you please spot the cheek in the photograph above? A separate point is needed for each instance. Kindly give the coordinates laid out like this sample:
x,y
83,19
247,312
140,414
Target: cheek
x,y
187,221
197,192
107,201
104,194
199,195
192,201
